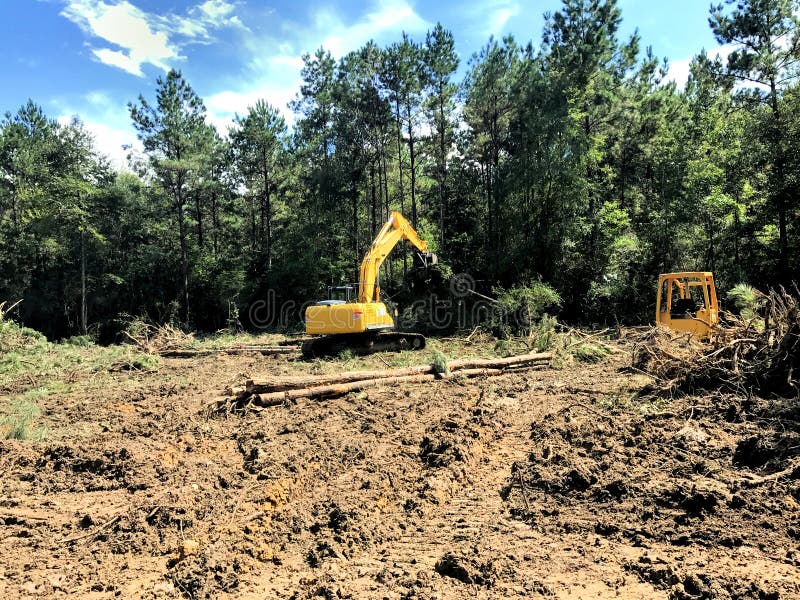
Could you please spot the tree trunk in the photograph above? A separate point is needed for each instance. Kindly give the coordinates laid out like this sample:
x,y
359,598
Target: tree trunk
x,y
412,166
780,196
84,310
400,171
356,262
266,214
373,200
184,256
388,263
442,167
198,210
214,224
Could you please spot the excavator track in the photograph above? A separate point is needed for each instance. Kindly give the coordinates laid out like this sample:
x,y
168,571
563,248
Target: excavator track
x,y
362,343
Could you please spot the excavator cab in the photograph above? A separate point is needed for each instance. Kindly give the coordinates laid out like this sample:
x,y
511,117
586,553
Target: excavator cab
x,y
688,302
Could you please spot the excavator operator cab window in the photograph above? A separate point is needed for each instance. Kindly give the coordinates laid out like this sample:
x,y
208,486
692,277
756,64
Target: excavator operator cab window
x,y
664,290
342,293
687,299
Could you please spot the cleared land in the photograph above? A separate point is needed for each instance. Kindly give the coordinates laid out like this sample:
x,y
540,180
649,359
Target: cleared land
x,y
552,482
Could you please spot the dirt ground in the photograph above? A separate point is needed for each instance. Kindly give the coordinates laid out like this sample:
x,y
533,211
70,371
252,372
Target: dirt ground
x,y
555,482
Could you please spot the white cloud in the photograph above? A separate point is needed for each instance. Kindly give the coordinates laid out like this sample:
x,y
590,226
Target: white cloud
x,y
389,16
224,106
275,64
139,38
117,58
679,70
500,17
126,27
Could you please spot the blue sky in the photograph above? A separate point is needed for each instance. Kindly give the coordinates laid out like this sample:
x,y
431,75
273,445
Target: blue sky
x,y
91,57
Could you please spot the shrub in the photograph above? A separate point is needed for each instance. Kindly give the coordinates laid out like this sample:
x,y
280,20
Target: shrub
x,y
439,363
521,308
745,298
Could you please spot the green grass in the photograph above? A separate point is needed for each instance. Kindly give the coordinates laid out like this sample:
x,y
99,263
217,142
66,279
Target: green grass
x,y
18,422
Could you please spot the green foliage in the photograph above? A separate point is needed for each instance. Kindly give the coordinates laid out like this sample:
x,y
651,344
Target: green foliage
x,y
544,333
503,348
590,352
522,308
745,299
439,363
17,422
82,341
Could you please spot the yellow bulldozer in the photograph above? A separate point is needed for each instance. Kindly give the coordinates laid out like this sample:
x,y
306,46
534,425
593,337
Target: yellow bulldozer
x,y
688,302
356,319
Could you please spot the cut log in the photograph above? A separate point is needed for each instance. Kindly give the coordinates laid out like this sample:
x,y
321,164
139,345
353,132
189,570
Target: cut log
x,y
499,363
279,384
340,389
266,350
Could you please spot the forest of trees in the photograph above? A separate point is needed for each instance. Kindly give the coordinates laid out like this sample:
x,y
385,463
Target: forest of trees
x,y
572,161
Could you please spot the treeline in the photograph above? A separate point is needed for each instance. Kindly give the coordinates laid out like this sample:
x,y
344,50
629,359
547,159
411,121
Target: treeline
x,y
572,161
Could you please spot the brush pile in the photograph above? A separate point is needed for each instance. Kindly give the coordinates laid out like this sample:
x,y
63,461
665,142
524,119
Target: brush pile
x,y
156,339
760,354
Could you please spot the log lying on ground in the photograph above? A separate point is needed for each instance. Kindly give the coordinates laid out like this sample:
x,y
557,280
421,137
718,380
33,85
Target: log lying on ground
x,y
279,384
247,402
340,389
261,393
266,350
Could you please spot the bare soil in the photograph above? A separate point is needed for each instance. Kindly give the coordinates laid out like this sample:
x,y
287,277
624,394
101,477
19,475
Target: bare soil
x,y
541,483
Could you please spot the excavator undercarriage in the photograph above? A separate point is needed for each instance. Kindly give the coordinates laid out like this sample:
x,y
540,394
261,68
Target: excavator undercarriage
x,y
362,343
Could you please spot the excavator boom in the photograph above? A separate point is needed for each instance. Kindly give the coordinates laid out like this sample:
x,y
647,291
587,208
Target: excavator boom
x,y
396,228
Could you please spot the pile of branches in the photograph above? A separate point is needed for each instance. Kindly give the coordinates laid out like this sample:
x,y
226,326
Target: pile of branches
x,y
756,355
157,339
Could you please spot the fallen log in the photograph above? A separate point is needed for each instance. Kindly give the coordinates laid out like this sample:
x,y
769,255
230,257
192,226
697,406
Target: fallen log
x,y
499,363
248,401
268,350
279,384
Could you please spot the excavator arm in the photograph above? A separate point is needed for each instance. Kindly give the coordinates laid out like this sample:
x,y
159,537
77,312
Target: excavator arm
x,y
396,228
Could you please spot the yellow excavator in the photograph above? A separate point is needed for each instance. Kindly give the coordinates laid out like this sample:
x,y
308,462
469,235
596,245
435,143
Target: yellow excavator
x,y
688,302
357,319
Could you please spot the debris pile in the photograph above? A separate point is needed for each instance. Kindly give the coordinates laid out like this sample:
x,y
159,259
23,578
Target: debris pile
x,y
760,354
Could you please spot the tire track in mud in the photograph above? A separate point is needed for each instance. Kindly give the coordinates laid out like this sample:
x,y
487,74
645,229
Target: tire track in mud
x,y
471,545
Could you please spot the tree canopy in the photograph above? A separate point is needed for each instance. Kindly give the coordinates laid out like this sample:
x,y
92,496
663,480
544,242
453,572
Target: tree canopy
x,y
572,161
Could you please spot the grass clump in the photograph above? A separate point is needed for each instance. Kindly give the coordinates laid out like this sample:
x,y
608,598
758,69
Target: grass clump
x,y
439,363
18,422
123,359
590,352
502,348
15,338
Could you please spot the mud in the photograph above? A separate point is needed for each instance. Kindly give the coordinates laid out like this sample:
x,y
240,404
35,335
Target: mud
x,y
557,483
